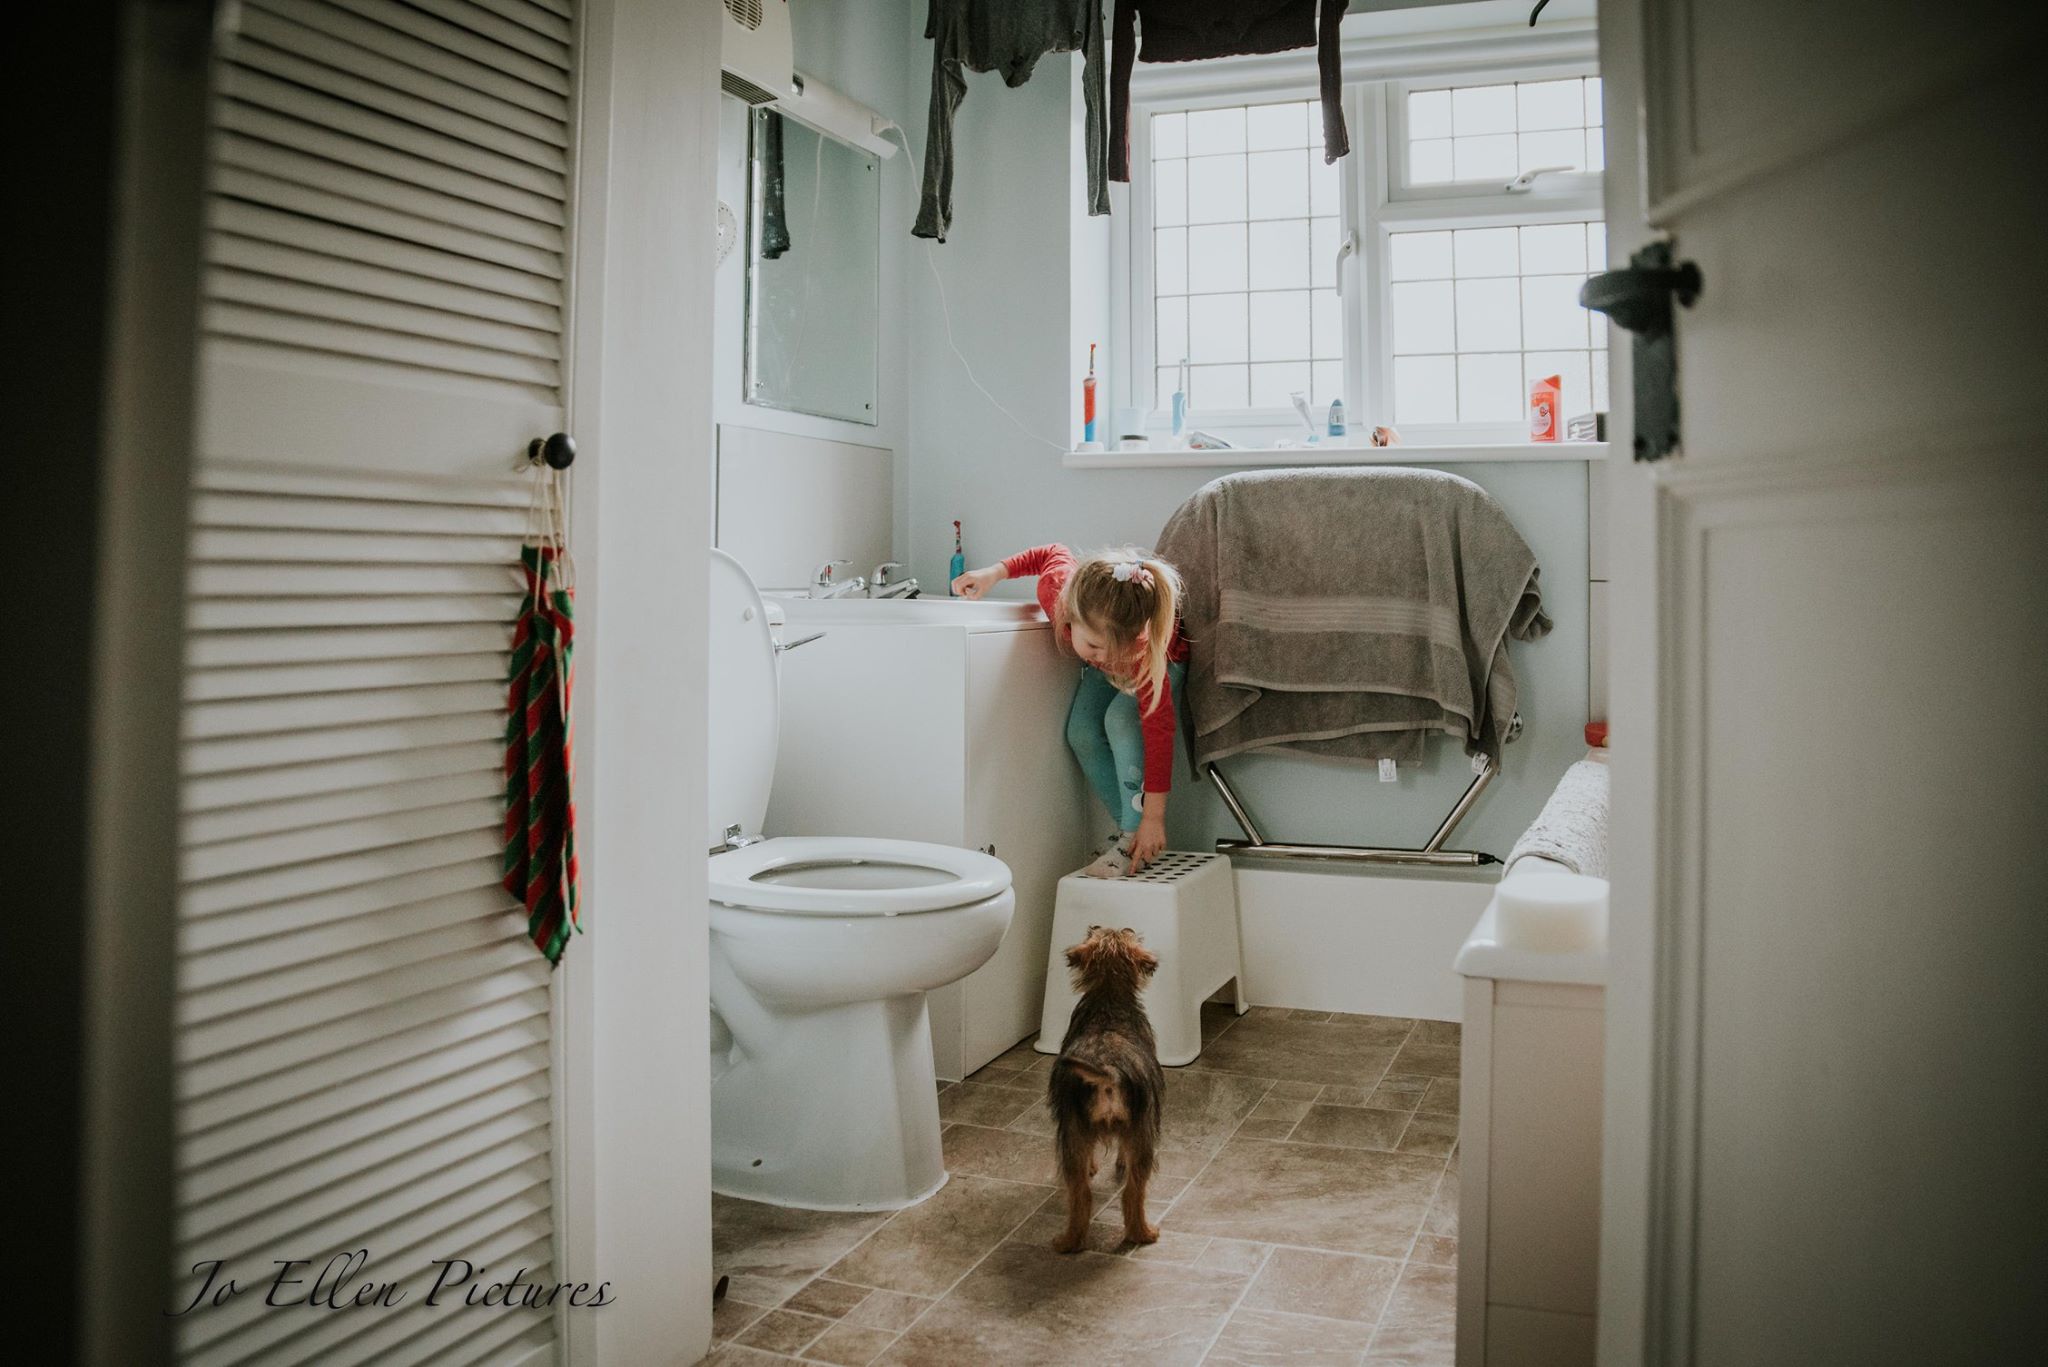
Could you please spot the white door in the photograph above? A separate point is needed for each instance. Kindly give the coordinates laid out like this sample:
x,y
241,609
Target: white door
x,y
364,1040
1828,1023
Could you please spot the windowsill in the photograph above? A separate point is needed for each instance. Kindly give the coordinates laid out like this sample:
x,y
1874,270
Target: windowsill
x,y
1246,457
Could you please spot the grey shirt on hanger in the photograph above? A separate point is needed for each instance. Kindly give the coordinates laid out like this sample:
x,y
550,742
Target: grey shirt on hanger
x,y
1007,36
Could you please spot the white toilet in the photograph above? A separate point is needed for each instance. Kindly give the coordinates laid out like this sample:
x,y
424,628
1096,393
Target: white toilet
x,y
822,948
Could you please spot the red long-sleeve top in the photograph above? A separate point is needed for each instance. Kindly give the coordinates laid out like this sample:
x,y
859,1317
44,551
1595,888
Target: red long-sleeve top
x,y
1156,719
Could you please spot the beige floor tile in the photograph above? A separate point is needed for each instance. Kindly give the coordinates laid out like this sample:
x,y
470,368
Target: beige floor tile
x,y
1318,1017
1295,1091
1352,1127
1387,1029
1339,1053
1216,1018
980,1151
1443,1211
1428,1060
1348,1096
1240,1257
892,1310
1399,1092
770,1251
1438,1249
784,1331
733,1355
827,1297
1272,1118
1429,1134
850,1345
1437,1032
983,1103
1027,1307
1420,1328
1263,1338
1311,1195
1442,1096
1173,1247
925,1249
729,1317
1202,1110
1339,1286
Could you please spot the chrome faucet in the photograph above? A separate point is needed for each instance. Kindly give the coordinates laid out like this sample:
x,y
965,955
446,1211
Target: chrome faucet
x,y
825,585
882,586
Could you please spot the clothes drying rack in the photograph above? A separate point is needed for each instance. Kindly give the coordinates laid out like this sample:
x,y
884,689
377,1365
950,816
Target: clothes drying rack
x,y
1256,846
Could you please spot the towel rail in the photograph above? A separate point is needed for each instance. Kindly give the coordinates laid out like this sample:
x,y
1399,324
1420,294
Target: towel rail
x,y
1256,846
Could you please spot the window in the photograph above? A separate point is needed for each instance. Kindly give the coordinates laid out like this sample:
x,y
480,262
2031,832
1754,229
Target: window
x,y
1244,216
1480,314
1498,132
1428,279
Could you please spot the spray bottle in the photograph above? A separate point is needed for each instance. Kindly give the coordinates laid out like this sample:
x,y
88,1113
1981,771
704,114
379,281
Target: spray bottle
x,y
959,565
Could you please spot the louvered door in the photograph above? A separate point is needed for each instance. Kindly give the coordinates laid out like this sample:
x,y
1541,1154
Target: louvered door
x,y
364,1041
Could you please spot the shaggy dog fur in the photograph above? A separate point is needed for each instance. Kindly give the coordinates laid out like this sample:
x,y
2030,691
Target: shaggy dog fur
x,y
1106,1085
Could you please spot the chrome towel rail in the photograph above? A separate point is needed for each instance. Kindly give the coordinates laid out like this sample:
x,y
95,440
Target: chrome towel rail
x,y
1257,846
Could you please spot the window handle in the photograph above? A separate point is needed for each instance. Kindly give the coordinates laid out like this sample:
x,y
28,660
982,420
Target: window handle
x,y
1522,184
1347,247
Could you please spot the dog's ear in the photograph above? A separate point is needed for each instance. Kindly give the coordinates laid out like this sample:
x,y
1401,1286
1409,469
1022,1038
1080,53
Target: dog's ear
x,y
1144,961
1081,955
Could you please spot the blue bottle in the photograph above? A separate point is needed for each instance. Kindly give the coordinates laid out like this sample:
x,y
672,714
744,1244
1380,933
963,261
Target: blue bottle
x,y
1336,417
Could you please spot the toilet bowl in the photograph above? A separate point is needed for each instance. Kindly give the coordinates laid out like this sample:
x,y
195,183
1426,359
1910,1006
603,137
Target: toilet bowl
x,y
822,948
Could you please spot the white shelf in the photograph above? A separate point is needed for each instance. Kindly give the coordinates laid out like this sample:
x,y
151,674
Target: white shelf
x,y
1248,457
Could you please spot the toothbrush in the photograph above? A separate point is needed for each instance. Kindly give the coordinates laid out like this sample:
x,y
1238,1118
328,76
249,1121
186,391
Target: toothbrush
x,y
1180,398
959,565
1088,399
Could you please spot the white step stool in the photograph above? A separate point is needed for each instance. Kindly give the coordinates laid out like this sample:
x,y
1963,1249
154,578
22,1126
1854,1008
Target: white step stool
x,y
1184,907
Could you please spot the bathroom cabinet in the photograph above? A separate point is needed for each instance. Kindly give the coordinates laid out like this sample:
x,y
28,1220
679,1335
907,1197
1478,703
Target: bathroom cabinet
x,y
1529,1149
942,721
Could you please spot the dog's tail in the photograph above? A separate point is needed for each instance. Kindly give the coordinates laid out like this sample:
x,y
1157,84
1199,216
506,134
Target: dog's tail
x,y
1100,1093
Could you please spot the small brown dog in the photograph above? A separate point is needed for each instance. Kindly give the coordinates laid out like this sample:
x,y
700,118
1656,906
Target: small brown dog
x,y
1106,1085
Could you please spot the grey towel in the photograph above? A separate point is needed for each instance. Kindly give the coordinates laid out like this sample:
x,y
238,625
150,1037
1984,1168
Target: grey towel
x,y
1572,827
1351,612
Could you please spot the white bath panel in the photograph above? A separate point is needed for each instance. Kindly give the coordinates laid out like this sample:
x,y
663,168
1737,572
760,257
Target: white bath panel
x,y
1378,945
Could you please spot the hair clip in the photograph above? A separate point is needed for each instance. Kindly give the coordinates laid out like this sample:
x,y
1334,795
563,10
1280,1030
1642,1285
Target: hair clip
x,y
1132,572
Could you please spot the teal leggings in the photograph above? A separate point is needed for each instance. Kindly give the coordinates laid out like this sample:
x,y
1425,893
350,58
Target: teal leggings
x,y
1103,732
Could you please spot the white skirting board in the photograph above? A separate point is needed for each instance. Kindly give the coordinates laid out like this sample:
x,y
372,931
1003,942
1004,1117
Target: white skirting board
x,y
1370,943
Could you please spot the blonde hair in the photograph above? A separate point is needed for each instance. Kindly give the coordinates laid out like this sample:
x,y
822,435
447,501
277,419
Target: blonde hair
x,y
1126,595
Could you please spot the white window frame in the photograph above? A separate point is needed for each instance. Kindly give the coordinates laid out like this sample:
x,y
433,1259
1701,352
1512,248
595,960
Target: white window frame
x,y
1375,204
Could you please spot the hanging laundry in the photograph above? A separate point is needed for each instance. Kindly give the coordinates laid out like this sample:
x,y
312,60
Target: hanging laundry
x,y
1007,36
1196,30
540,807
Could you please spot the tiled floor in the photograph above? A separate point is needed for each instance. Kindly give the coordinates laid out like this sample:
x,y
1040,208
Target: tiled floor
x,y
1307,1198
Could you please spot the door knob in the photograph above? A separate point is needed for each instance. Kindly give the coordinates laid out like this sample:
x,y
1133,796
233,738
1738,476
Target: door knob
x,y
1639,299
558,452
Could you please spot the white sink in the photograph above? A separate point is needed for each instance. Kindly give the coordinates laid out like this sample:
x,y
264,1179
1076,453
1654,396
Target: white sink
x,y
854,610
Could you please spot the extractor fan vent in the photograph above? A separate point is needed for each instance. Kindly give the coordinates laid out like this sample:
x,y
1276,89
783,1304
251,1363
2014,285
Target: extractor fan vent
x,y
756,55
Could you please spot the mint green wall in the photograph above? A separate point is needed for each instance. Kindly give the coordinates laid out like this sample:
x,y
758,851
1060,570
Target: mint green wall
x,y
1014,247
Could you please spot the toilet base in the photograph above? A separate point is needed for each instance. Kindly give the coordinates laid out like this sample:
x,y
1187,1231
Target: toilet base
x,y
843,1115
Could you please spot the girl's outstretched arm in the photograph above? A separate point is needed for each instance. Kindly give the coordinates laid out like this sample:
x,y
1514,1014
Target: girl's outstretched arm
x,y
976,583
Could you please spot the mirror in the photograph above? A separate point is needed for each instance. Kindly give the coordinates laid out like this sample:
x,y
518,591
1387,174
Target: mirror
x,y
813,271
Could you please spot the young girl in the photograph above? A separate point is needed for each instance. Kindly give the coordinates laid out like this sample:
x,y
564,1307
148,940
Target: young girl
x,y
1118,611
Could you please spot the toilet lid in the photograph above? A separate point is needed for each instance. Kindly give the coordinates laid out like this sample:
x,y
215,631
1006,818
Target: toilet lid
x,y
739,763
854,876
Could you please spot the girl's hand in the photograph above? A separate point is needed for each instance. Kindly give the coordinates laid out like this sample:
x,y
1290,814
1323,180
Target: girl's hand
x,y
1147,843
976,583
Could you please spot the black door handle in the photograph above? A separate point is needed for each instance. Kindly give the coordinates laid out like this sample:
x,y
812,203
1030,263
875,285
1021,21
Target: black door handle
x,y
558,451
1639,297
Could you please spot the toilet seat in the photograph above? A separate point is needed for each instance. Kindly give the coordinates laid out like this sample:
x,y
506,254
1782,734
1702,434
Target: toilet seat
x,y
842,876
